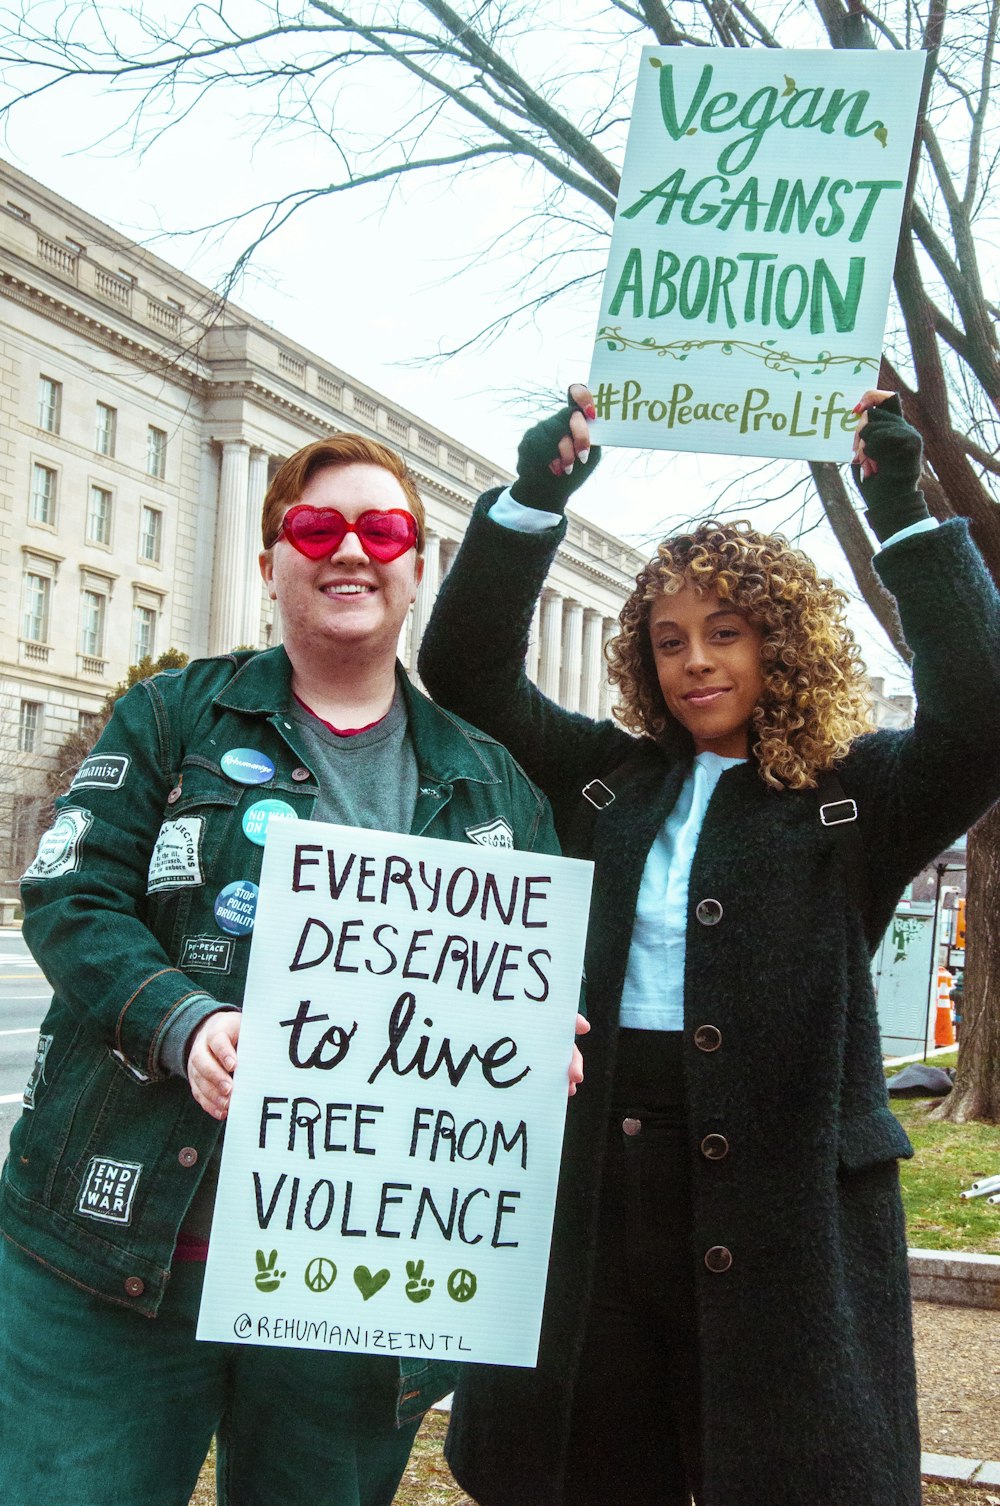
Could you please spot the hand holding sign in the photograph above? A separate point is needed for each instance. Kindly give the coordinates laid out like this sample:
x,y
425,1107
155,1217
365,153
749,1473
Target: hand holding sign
x,y
212,1061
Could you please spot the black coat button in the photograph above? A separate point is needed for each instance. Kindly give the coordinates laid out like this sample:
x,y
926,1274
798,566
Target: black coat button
x,y
134,1286
718,1259
708,912
299,774
631,1126
188,1156
714,1147
708,1038
175,795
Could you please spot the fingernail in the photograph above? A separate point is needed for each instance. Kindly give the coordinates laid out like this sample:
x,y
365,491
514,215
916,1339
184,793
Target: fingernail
x,y
555,467
583,457
590,411
858,408
568,469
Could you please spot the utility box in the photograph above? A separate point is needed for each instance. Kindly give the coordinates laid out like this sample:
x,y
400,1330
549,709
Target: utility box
x,y
901,971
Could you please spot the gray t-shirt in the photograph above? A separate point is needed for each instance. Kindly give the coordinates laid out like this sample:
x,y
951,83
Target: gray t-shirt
x,y
366,779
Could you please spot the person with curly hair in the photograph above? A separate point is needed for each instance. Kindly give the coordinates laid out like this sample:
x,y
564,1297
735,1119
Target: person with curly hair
x,y
727,1316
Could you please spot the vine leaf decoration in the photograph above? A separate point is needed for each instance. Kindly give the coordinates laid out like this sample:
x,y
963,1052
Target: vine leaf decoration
x,y
763,350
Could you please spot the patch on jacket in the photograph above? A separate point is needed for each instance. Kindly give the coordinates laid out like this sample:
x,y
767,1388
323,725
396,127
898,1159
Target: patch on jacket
x,y
102,771
210,954
496,833
176,859
37,1070
108,1190
59,847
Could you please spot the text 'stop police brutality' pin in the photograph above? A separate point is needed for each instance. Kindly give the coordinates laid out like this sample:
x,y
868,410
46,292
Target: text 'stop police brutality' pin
x,y
235,908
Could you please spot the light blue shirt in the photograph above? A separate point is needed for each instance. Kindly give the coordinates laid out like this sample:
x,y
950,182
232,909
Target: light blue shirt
x,y
653,995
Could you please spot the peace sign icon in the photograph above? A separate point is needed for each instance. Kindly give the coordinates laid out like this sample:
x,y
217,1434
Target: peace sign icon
x,y
320,1274
462,1285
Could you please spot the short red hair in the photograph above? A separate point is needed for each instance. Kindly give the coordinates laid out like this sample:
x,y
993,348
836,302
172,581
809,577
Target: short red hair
x,y
295,473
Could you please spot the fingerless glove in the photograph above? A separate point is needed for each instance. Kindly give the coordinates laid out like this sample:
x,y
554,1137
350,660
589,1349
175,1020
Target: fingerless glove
x,y
536,486
892,495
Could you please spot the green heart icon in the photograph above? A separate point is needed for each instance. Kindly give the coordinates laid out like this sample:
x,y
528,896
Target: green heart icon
x,y
366,1283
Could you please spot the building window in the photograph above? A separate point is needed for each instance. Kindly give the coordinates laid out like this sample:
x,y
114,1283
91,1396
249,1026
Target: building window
x,y
88,724
29,726
49,404
156,452
150,534
92,624
35,624
99,516
43,495
143,633
107,424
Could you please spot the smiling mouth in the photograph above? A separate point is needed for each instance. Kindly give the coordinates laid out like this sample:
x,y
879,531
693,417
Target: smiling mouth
x,y
347,588
707,696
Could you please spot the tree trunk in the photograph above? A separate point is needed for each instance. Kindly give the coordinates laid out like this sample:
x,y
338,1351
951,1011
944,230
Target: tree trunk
x,y
976,1094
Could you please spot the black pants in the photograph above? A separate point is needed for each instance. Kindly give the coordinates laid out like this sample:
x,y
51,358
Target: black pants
x,y
636,1417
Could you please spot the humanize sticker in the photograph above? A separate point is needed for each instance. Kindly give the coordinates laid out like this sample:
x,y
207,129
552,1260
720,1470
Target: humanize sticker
x,y
102,771
208,954
492,834
176,859
37,1070
59,847
108,1190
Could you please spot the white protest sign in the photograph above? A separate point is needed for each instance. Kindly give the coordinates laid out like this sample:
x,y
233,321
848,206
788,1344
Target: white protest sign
x,y
392,1149
748,281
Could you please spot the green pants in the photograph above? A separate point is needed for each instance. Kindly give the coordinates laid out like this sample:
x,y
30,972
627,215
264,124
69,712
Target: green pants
x,y
102,1407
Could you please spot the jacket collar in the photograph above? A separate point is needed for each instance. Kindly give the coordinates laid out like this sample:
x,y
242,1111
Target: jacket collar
x,y
445,747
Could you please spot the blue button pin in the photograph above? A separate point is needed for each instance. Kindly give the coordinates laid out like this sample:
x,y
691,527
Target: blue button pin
x,y
258,818
235,908
247,766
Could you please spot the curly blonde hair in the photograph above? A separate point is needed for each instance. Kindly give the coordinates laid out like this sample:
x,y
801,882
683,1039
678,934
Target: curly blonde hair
x,y
816,698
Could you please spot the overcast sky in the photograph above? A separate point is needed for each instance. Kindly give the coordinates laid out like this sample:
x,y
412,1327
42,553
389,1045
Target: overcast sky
x,y
374,281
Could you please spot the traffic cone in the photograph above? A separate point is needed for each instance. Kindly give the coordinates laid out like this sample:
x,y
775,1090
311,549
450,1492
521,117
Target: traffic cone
x,y
944,1030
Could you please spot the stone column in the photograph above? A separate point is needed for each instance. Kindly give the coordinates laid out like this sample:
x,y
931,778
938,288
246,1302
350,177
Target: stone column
x,y
594,668
609,630
551,644
256,487
229,582
534,643
572,642
426,592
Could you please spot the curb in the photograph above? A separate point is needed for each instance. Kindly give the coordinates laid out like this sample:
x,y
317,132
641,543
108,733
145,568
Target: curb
x,y
957,1279
957,1471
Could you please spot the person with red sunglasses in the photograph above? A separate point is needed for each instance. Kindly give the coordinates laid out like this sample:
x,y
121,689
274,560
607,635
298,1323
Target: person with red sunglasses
x,y
107,1196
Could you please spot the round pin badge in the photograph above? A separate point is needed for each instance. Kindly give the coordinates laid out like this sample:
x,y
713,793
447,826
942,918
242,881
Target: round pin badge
x,y
247,766
258,818
235,908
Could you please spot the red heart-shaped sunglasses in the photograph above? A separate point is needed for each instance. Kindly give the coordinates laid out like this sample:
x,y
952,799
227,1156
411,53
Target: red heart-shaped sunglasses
x,y
320,531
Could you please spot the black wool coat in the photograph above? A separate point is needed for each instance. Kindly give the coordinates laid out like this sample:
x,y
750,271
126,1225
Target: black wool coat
x,y
805,1342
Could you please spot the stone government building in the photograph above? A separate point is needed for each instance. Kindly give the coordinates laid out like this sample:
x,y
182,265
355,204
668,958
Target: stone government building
x,y
141,422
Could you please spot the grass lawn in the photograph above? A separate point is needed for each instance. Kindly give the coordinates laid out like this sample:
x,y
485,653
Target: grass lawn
x,y
949,1157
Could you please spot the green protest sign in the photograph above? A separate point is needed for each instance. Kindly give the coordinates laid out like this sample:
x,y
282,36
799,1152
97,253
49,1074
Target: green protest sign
x,y
392,1150
748,281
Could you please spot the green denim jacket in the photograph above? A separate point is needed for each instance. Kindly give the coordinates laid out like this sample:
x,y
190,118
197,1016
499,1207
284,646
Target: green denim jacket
x,y
124,962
